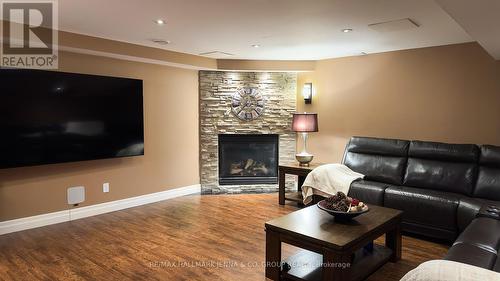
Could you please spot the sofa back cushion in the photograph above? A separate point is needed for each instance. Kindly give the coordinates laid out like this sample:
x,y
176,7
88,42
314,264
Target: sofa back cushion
x,y
488,181
382,160
441,166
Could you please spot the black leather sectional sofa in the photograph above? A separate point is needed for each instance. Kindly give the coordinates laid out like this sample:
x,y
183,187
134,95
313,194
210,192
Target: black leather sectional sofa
x,y
442,189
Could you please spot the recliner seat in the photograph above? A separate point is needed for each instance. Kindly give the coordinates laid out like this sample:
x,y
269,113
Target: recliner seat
x,y
440,187
426,211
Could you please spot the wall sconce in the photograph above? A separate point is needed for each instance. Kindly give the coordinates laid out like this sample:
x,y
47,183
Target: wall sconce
x,y
307,92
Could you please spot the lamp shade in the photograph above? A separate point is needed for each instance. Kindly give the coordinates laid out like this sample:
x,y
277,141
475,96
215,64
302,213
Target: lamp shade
x,y
305,122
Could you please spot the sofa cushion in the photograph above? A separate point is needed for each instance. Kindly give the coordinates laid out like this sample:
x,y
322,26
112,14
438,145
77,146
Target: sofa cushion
x,y
488,181
490,155
440,166
444,151
483,233
488,184
450,177
422,206
472,255
368,191
382,160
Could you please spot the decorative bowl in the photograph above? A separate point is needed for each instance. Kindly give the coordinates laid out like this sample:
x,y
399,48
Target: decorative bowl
x,y
338,214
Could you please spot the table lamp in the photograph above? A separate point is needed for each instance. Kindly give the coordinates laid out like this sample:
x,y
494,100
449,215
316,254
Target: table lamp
x,y
304,123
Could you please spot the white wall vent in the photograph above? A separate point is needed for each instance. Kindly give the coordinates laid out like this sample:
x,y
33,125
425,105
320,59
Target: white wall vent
x,y
76,195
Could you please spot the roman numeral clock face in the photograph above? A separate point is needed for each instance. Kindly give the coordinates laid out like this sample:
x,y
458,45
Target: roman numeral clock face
x,y
247,104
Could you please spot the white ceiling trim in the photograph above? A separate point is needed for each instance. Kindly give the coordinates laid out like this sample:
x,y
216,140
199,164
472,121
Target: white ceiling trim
x,y
131,58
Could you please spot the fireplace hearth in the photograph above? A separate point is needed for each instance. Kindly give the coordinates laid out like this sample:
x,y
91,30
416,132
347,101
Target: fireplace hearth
x,y
248,159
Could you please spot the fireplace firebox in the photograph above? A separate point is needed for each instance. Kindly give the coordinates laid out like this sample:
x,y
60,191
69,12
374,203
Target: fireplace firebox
x,y
248,159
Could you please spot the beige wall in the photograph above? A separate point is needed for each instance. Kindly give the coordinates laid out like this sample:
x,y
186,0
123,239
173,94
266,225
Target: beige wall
x,y
449,93
171,144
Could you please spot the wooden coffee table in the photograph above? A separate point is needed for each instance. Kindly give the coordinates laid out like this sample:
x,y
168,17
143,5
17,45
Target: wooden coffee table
x,y
332,250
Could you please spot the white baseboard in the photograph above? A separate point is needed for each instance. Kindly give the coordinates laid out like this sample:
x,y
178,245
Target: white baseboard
x,y
93,210
33,222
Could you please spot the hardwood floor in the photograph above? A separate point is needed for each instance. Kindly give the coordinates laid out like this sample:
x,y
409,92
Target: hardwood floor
x,y
178,239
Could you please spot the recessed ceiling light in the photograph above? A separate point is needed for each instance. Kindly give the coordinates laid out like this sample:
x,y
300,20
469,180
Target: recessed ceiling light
x,y
160,41
346,30
160,22
256,46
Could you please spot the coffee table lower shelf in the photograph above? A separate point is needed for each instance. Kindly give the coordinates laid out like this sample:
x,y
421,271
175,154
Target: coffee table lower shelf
x,y
306,265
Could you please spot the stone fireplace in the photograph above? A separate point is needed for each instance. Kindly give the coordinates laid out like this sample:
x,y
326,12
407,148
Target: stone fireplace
x,y
249,150
248,159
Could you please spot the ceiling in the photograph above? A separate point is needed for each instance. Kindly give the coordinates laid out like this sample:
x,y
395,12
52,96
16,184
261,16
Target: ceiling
x,y
284,29
482,21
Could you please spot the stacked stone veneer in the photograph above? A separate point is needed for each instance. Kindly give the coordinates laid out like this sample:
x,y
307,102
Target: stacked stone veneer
x,y
216,117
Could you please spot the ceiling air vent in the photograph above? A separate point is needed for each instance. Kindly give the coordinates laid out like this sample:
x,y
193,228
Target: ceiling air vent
x,y
216,54
160,41
394,25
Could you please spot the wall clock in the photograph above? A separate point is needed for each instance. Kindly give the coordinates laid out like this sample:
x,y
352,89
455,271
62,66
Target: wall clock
x,y
247,104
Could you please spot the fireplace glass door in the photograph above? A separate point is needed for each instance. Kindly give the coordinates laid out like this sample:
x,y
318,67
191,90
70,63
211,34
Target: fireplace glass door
x,y
248,159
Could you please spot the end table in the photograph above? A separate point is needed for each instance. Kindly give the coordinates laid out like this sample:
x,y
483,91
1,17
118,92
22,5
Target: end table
x,y
293,169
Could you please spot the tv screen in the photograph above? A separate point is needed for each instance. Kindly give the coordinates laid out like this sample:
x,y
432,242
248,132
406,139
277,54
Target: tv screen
x,y
53,117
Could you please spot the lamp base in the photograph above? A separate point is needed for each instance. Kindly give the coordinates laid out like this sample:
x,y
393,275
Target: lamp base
x,y
304,159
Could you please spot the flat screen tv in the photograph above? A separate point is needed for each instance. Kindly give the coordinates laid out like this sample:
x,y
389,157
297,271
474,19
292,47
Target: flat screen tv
x,y
51,117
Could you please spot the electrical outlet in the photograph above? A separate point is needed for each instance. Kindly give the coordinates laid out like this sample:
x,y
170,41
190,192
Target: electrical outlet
x,y
105,187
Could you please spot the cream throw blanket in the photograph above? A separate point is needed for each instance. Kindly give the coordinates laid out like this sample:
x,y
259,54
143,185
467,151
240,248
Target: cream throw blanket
x,y
443,270
327,180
